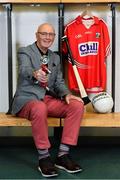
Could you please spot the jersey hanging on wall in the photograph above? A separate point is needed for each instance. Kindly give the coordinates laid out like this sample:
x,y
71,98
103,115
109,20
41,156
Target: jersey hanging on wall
x,y
90,44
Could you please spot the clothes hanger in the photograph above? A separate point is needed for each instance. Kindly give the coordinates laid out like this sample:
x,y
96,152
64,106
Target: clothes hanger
x,y
87,13
87,17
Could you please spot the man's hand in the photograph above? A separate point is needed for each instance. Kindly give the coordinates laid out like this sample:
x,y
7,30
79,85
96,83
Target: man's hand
x,y
40,75
68,97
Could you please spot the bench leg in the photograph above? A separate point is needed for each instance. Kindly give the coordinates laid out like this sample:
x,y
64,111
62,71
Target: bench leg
x,y
58,132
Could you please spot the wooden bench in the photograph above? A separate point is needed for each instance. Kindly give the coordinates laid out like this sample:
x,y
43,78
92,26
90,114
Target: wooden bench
x,y
90,119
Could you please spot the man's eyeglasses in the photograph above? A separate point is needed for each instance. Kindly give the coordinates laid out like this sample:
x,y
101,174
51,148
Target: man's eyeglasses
x,y
45,34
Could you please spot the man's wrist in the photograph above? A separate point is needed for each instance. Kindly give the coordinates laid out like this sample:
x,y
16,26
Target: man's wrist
x,y
63,97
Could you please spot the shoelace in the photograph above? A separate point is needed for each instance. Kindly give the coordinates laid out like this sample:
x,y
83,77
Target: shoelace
x,y
47,162
68,159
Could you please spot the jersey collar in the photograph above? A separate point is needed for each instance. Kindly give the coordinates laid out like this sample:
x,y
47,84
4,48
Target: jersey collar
x,y
79,20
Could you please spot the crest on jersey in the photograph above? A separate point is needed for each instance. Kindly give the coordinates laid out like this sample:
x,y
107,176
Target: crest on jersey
x,y
97,35
88,48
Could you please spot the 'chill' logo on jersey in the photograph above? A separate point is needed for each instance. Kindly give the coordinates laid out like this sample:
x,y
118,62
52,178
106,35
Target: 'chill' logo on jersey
x,y
88,48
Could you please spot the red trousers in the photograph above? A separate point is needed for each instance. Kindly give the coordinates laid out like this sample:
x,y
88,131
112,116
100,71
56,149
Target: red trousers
x,y
37,112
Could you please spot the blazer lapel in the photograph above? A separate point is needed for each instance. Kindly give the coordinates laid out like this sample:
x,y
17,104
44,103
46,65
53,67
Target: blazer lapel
x,y
52,61
37,56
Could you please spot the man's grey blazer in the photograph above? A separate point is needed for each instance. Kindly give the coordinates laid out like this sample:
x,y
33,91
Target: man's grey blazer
x,y
29,60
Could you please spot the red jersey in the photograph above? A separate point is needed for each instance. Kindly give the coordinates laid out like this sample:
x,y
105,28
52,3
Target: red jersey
x,y
90,44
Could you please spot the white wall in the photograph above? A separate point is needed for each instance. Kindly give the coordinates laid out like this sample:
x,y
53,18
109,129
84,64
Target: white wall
x,y
3,63
117,60
25,20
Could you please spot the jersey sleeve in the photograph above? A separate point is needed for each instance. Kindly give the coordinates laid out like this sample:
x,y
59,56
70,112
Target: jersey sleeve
x,y
106,39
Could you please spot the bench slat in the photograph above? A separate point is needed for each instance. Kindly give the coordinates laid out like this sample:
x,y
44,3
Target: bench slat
x,y
92,119
9,120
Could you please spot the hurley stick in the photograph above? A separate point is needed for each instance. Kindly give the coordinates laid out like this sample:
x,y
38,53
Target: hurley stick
x,y
82,91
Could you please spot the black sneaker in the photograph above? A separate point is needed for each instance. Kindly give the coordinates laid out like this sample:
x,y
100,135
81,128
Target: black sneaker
x,y
47,168
64,162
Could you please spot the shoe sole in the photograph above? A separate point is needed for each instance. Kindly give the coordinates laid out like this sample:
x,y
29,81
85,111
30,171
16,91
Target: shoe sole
x,y
45,175
69,171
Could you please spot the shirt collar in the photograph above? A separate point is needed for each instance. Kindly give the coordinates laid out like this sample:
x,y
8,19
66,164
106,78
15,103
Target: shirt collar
x,y
41,51
79,20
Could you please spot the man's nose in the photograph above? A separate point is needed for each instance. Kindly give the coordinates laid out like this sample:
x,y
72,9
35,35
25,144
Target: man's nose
x,y
48,36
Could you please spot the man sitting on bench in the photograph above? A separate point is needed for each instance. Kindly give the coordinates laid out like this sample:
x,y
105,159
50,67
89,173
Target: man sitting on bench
x,y
41,92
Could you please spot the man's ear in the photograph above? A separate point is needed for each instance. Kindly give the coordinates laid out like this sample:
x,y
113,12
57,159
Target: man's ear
x,y
36,34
